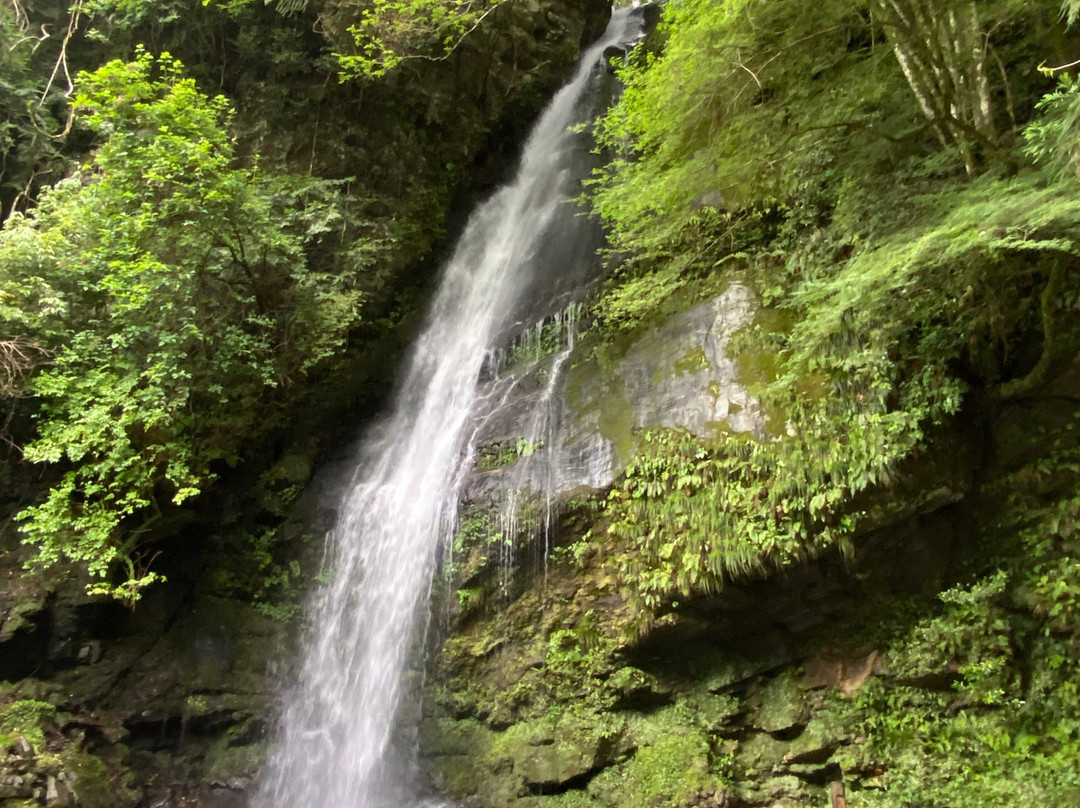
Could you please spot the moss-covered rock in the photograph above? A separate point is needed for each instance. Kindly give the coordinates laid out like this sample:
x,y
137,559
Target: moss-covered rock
x,y
673,770
551,753
818,740
783,705
21,599
47,757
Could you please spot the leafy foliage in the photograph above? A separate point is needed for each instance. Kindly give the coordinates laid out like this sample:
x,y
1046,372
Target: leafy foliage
x,y
1070,10
893,284
672,771
902,294
388,32
1054,138
862,375
690,514
980,699
32,113
174,289
26,718
742,95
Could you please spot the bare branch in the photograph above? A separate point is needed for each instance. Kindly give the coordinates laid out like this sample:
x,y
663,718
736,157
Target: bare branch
x,y
21,18
753,75
18,357
449,49
1050,71
62,64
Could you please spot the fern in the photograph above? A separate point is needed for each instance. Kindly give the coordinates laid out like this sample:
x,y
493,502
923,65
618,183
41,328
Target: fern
x,y
288,8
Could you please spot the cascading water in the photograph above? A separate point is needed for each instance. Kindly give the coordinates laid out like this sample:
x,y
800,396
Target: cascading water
x,y
525,490
336,747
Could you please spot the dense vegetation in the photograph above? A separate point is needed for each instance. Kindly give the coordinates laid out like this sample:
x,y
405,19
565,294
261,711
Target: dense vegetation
x,y
169,297
160,335
911,224
151,298
897,181
910,258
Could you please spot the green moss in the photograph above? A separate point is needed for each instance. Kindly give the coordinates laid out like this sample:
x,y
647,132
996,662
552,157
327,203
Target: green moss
x,y
824,733
617,419
569,799
97,784
692,361
783,704
758,754
597,396
674,770
558,747
503,455
469,599
477,532
713,712
27,718
451,737
462,776
224,760
758,350
786,790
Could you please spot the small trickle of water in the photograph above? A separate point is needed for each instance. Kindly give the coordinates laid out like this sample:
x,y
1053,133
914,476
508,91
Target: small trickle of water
x,y
547,336
526,497
341,740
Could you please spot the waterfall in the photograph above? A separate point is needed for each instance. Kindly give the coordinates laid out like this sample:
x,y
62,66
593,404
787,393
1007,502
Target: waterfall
x,y
339,742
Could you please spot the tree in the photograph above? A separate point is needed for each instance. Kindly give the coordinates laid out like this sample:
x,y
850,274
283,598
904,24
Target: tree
x,y
32,110
741,101
387,32
173,290
942,50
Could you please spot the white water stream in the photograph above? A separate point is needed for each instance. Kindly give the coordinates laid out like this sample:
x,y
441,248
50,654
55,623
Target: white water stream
x,y
336,746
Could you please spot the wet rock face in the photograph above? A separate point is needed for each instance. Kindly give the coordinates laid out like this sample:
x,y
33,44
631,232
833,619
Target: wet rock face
x,y
682,375
23,626
165,704
741,698
170,704
738,698
679,375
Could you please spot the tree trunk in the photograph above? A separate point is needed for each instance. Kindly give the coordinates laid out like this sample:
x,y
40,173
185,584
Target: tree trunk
x,y
942,51
837,795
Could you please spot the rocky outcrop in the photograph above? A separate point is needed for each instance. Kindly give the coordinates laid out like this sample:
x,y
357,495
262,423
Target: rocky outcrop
x,y
171,700
743,698
777,690
679,375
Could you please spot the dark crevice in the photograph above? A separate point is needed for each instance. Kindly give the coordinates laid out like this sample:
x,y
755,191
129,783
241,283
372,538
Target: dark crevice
x,y
643,701
788,734
186,582
813,757
28,649
163,734
819,777
576,783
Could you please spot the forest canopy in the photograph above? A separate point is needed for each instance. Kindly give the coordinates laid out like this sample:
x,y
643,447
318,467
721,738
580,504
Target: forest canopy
x,y
890,194
162,290
211,216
